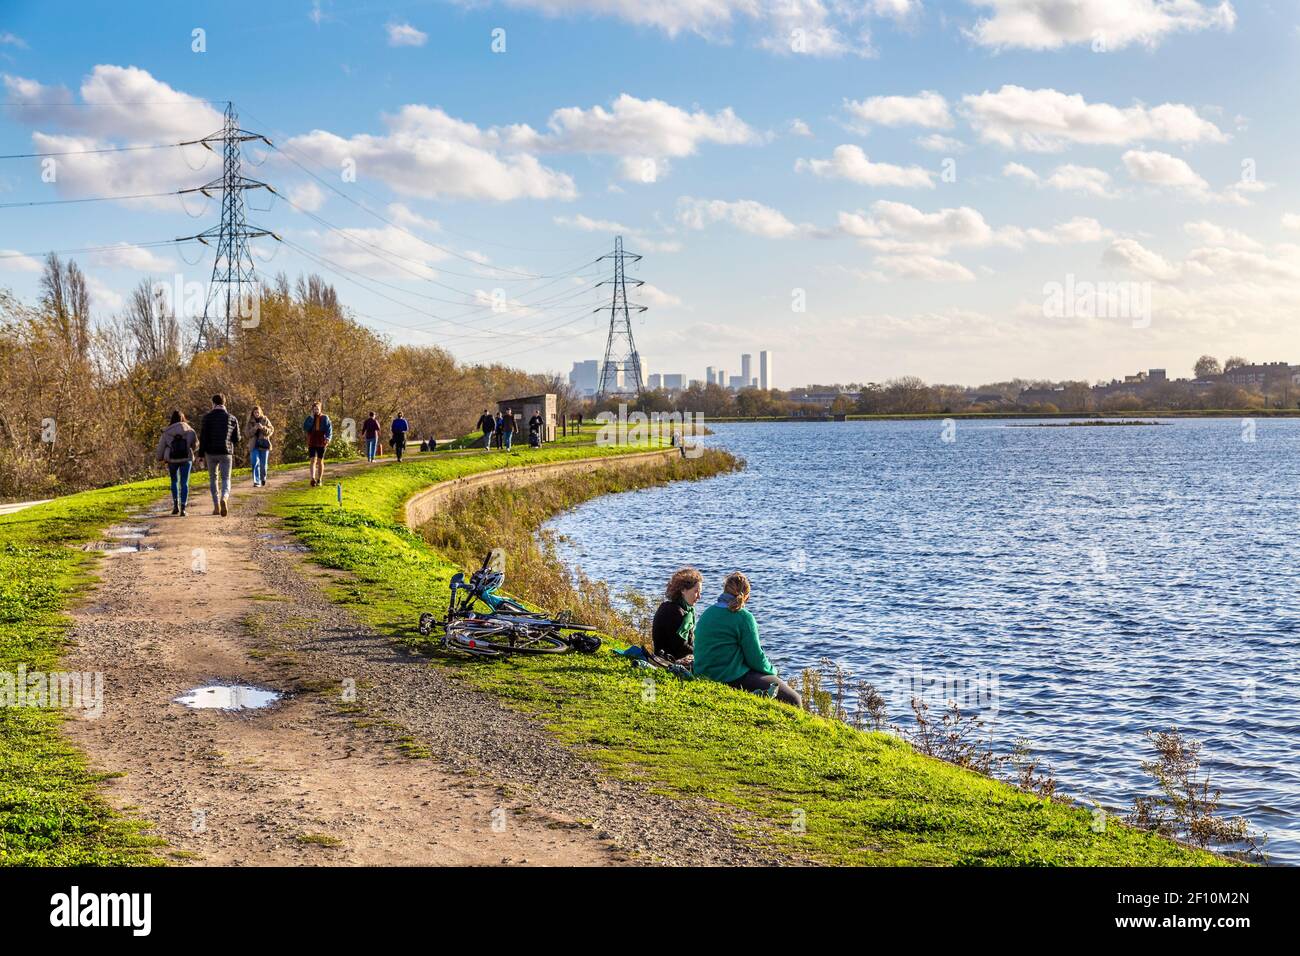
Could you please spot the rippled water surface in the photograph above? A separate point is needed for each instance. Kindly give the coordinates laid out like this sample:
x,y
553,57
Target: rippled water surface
x,y
1080,585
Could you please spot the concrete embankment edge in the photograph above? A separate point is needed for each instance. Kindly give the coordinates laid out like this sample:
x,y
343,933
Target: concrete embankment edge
x,y
423,505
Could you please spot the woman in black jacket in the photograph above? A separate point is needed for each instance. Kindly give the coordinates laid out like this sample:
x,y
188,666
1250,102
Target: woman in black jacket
x,y
673,630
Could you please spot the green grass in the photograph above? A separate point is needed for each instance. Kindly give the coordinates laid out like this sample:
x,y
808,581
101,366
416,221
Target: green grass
x,y
51,813
815,788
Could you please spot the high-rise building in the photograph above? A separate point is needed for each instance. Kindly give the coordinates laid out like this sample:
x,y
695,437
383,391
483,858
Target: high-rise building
x,y
585,376
613,378
722,377
736,382
710,375
753,383
673,381
655,381
765,370
746,367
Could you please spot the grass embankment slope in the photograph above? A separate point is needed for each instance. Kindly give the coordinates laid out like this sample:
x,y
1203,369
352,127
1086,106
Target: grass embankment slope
x,y
51,813
820,789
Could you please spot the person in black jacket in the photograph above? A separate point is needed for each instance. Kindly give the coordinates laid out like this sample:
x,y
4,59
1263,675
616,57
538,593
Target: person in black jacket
x,y
218,436
488,424
673,629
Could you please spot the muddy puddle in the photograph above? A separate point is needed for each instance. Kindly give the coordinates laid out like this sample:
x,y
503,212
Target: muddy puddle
x,y
228,697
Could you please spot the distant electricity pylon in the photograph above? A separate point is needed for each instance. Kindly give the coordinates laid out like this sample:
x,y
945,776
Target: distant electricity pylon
x,y
233,275
620,350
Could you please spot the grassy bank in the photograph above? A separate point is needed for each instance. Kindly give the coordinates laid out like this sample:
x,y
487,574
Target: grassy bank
x,y
51,813
815,787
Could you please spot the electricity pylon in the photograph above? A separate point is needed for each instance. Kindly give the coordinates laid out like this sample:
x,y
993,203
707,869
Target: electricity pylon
x,y
620,349
233,274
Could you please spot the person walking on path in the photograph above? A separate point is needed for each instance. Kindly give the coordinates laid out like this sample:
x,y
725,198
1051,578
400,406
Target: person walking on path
x,y
319,431
218,436
487,424
508,427
499,427
370,431
727,648
176,448
535,426
259,433
399,430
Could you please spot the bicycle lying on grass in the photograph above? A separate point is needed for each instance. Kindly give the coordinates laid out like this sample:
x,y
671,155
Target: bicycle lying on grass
x,y
507,627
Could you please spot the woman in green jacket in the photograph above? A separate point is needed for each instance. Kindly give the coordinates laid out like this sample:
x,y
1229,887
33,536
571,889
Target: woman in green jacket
x,y
727,648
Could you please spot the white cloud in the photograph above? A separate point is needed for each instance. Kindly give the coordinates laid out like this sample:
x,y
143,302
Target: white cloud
x,y
130,107
1132,255
821,28
1114,24
385,252
851,163
123,255
308,196
403,34
1215,235
427,154
12,39
404,215
938,143
745,214
653,295
927,109
924,267
11,260
635,127
102,296
1045,120
799,128
643,241
1160,169
1067,178
1078,229
1290,220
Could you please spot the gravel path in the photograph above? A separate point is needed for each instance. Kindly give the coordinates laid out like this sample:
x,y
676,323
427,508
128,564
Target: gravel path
x,y
418,768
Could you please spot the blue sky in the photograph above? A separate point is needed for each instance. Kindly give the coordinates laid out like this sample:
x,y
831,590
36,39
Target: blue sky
x,y
915,175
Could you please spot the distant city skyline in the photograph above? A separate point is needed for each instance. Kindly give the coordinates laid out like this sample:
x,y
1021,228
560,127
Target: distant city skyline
x,y
585,376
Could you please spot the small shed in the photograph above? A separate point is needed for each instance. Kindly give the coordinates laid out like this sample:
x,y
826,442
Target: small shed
x,y
525,408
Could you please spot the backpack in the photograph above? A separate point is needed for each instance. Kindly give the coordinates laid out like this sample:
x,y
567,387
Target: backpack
x,y
180,448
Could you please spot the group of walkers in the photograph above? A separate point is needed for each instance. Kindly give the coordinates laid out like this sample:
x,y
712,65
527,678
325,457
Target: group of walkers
x,y
720,644
499,431
397,435
180,446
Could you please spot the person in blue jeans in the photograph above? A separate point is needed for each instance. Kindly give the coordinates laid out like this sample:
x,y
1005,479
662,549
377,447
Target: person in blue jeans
x,y
508,426
260,431
370,432
176,448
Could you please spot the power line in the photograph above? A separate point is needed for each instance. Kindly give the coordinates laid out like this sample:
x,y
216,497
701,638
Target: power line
x,y
64,202
103,149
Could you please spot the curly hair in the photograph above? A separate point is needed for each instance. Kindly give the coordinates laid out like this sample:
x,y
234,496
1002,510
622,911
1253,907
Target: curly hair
x,y
682,580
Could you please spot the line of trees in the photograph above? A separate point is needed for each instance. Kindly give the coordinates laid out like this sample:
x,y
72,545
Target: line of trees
x,y
82,402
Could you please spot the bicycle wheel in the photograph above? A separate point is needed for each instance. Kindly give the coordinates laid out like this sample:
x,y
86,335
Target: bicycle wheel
x,y
493,638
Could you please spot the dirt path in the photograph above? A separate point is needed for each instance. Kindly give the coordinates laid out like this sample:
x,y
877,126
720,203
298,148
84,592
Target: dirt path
x,y
304,782
416,768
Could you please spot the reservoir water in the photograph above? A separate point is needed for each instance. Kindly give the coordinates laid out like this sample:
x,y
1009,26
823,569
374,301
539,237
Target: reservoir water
x,y
1074,586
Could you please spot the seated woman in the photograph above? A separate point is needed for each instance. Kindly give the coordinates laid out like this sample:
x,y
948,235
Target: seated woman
x,y
673,630
727,649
